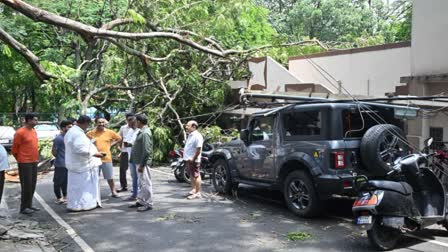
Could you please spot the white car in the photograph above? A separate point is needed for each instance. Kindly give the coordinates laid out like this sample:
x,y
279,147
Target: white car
x,y
7,136
47,130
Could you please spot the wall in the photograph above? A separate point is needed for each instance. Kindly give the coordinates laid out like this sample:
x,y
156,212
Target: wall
x,y
270,74
429,37
370,71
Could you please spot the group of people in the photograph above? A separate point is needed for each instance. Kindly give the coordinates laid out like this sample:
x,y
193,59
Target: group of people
x,y
80,157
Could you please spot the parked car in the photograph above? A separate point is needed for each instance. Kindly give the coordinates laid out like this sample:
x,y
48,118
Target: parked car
x,y
47,130
310,152
7,136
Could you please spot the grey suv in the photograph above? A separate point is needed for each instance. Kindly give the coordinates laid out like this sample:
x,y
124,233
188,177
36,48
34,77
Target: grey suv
x,y
310,151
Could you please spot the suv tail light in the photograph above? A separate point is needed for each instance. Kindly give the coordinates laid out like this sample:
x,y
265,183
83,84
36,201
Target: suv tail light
x,y
339,160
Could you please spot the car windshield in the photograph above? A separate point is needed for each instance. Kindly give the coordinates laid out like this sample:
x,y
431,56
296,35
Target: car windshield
x,y
6,131
46,127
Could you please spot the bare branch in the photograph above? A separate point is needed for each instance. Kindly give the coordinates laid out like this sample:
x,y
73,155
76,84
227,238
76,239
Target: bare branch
x,y
117,22
32,59
89,32
142,55
314,41
168,105
190,33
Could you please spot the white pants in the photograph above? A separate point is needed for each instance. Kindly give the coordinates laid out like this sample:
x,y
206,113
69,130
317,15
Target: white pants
x,y
144,196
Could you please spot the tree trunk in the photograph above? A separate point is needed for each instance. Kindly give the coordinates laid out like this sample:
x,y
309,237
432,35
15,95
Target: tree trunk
x,y
84,106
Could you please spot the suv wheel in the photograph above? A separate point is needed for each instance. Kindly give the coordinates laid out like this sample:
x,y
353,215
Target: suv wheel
x,y
222,180
381,145
300,195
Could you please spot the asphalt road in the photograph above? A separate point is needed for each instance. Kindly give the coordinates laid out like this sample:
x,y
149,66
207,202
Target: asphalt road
x,y
255,221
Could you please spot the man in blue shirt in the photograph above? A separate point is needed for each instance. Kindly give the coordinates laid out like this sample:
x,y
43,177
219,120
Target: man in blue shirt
x,y
60,172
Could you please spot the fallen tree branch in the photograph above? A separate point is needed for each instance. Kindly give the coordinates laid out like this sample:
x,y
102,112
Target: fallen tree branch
x,y
32,59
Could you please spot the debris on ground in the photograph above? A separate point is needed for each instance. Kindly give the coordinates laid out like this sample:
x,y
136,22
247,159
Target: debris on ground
x,y
299,236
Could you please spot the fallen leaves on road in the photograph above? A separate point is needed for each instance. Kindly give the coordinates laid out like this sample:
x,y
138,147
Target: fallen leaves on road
x,y
299,236
166,217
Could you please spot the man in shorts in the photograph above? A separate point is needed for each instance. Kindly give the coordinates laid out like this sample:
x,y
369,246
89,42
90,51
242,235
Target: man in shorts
x,y
192,156
104,139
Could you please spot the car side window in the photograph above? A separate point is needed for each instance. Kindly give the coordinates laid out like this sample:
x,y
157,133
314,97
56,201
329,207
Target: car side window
x,y
303,123
262,129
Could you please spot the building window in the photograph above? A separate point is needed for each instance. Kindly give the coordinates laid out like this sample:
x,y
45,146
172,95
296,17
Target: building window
x,y
437,134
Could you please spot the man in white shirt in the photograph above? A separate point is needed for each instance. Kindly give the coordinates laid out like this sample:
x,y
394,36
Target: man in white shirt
x,y
192,156
128,142
4,165
124,155
82,160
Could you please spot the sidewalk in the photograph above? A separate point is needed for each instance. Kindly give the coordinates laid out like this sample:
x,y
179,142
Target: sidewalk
x,y
16,233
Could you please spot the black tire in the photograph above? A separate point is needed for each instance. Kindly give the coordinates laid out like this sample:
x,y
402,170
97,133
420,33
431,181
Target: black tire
x,y
221,177
185,173
381,145
300,195
445,225
383,238
178,175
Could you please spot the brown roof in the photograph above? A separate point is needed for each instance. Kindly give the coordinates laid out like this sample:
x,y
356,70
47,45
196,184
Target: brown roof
x,y
354,50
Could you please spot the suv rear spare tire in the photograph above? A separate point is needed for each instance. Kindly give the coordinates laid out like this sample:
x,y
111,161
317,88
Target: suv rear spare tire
x,y
381,145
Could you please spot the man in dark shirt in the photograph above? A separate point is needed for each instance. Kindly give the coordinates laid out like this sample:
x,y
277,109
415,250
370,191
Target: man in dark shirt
x,y
60,172
141,155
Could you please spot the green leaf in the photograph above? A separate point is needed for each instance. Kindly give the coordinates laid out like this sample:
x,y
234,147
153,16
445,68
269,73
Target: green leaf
x,y
6,51
137,18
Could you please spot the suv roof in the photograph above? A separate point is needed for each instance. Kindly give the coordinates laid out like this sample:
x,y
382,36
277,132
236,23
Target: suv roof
x,y
332,104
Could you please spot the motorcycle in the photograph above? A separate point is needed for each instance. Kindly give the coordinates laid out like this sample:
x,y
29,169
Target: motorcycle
x,y
178,166
411,198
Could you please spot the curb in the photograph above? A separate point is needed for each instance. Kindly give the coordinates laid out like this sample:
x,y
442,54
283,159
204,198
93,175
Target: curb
x,y
12,245
4,210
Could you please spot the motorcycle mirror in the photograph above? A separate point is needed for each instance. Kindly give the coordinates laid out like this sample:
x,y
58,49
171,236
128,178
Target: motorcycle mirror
x,y
428,142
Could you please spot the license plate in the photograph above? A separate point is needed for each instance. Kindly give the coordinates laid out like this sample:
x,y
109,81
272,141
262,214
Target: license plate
x,y
3,141
364,220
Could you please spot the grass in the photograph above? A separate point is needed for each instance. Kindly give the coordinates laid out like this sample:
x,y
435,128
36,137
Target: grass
x,y
299,236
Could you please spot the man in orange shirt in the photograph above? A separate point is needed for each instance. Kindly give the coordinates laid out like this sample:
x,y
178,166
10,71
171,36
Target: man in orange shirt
x,y
104,139
25,149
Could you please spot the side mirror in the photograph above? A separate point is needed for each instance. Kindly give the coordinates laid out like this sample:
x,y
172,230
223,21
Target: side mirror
x,y
244,135
428,142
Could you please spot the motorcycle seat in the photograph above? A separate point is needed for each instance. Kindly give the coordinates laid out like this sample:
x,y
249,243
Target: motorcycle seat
x,y
399,187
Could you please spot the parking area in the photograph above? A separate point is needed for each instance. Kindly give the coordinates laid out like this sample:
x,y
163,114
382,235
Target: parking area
x,y
254,220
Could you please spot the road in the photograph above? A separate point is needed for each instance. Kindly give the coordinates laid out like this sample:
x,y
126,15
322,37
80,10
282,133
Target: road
x,y
256,221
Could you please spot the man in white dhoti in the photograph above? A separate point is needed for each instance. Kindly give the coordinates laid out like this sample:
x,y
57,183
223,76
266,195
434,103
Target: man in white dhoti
x,y
82,160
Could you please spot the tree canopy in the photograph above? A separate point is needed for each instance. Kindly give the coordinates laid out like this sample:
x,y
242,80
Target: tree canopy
x,y
169,59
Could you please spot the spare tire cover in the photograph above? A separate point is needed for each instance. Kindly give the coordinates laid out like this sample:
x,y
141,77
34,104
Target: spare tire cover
x,y
381,145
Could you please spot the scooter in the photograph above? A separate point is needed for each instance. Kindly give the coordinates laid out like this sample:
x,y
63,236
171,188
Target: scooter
x,y
411,199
